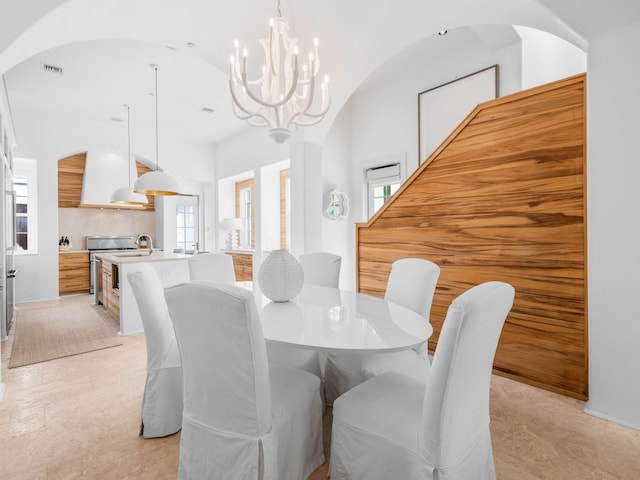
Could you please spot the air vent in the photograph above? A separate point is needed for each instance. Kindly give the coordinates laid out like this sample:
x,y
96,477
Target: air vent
x,y
52,68
207,110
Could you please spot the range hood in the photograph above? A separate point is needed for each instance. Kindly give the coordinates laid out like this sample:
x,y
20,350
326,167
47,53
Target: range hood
x,y
105,171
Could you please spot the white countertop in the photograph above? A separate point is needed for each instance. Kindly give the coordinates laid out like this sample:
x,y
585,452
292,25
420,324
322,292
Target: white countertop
x,y
141,256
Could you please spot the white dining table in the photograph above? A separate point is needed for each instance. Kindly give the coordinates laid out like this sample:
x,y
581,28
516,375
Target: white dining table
x,y
333,320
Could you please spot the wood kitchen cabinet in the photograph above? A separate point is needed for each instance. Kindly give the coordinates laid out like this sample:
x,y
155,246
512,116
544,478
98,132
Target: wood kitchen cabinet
x,y
242,265
73,270
109,293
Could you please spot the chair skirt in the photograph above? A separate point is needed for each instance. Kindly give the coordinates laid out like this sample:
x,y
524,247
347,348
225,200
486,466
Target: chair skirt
x,y
376,436
292,450
162,402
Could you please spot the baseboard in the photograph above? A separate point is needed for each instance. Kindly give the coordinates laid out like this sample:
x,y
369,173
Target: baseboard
x,y
609,418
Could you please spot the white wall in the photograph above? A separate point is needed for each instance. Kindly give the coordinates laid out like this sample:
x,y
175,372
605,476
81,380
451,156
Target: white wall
x,y
270,204
338,236
546,58
613,171
385,110
37,277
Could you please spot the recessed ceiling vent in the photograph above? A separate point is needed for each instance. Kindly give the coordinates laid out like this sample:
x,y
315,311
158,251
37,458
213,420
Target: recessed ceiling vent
x,y
207,110
52,68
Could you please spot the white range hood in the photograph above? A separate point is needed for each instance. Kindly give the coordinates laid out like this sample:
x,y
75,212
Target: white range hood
x,y
105,171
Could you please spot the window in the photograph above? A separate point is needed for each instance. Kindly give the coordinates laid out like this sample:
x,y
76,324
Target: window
x,y
382,183
186,227
244,210
285,209
25,187
22,213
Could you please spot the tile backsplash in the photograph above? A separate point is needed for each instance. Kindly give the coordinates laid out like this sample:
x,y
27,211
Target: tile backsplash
x,y
78,223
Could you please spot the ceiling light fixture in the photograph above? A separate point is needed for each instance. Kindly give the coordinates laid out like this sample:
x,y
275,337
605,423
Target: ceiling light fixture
x,y
442,32
126,195
156,182
282,96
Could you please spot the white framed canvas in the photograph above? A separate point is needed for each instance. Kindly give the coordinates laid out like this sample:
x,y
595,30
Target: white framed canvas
x,y
442,108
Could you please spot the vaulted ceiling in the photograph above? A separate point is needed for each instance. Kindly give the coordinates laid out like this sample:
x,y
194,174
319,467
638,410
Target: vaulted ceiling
x,y
105,49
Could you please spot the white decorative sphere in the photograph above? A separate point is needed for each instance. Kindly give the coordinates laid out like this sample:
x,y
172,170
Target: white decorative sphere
x,y
280,276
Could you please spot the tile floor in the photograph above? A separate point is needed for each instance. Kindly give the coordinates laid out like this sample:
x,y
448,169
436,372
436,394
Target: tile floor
x,y
79,417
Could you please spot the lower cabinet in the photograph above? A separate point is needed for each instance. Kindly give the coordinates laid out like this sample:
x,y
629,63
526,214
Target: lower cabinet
x,y
73,270
243,266
109,293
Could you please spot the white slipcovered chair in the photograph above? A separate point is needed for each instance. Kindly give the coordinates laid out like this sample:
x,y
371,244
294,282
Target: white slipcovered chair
x,y
243,418
412,283
162,399
216,267
321,268
393,426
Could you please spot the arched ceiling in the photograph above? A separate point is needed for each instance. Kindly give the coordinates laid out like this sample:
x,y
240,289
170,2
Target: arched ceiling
x,y
117,40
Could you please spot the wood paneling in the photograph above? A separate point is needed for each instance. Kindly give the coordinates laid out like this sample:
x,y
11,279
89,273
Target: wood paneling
x,y
74,272
141,170
243,266
70,173
240,186
285,178
503,198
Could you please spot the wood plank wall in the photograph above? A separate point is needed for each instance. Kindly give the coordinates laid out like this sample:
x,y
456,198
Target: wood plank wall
x,y
503,198
70,173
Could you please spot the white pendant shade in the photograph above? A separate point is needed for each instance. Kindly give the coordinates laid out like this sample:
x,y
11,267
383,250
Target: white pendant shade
x,y
126,196
156,183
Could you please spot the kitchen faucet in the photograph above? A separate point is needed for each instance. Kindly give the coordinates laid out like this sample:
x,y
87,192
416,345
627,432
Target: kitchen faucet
x,y
148,237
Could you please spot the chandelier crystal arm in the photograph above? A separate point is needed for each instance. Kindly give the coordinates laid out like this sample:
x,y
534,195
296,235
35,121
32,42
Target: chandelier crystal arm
x,y
282,101
316,116
254,119
246,114
302,111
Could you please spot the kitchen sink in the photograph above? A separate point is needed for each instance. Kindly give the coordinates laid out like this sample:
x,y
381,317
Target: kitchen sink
x,y
133,254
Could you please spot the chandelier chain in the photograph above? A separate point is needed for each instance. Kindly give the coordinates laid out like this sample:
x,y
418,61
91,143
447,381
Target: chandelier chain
x,y
155,67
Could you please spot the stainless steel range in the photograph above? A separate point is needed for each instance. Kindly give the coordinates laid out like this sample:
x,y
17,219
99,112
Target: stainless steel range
x,y
105,244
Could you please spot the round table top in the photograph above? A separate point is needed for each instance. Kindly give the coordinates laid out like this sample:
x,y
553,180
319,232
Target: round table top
x,y
329,319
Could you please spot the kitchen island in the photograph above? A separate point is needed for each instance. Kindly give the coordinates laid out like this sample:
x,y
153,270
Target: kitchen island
x,y
115,292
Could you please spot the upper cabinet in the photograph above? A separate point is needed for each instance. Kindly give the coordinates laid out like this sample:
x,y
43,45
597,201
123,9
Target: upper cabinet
x,y
72,172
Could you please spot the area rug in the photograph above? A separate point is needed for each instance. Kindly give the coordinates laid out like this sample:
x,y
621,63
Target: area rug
x,y
44,334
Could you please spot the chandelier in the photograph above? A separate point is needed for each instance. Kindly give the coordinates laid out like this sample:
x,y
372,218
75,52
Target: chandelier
x,y
283,95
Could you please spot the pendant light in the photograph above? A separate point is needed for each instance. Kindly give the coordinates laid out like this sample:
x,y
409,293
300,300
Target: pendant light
x,y
126,195
156,182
